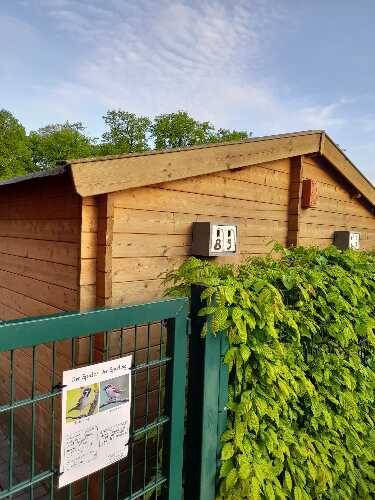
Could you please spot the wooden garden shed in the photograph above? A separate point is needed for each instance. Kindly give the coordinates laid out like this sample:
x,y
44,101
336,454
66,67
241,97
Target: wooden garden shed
x,y
100,232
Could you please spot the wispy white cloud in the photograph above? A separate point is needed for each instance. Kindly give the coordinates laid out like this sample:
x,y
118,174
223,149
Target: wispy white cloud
x,y
205,56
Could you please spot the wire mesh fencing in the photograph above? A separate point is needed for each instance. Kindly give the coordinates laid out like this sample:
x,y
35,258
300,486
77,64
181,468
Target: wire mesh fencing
x,y
31,369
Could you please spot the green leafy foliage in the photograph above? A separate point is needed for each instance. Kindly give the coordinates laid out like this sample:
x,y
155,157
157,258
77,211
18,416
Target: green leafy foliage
x,y
225,135
177,130
302,371
127,133
15,154
58,142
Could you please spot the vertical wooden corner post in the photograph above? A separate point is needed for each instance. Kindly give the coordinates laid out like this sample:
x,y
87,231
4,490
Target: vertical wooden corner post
x,y
206,405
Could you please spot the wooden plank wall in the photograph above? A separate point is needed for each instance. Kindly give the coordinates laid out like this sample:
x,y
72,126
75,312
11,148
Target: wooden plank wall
x,y
89,245
295,191
152,225
39,248
40,234
337,208
96,290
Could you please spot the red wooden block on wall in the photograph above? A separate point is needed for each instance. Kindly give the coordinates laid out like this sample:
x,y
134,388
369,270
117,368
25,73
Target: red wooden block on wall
x,y
309,193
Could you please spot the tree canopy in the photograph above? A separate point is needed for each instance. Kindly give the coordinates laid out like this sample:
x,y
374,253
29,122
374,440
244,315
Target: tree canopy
x,y
125,133
128,133
57,142
15,154
225,135
178,130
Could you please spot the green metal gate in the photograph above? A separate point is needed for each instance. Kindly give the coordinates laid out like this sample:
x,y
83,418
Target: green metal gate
x,y
206,404
34,353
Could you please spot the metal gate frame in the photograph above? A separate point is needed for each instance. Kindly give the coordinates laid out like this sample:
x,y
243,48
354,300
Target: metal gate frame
x,y
29,333
206,405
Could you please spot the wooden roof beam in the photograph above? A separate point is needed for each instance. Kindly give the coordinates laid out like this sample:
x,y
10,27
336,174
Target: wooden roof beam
x,y
118,173
114,173
331,152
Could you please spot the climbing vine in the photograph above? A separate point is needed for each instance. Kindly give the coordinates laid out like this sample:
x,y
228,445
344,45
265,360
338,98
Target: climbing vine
x,y
300,327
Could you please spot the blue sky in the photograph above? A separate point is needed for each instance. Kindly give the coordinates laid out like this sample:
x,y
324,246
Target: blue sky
x,y
264,66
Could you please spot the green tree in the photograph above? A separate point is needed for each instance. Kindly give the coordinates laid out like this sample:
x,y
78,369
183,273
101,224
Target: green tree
x,y
15,153
178,130
225,135
128,133
56,142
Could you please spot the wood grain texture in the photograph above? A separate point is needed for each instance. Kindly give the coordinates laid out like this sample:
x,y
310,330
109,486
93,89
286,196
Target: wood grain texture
x,y
31,209
113,174
89,243
273,173
8,313
131,292
334,218
338,159
230,188
330,205
40,227
153,222
40,233
50,230
150,245
88,253
152,226
334,187
104,250
49,293
87,297
25,304
141,268
87,272
295,192
165,200
325,231
336,209
50,251
47,272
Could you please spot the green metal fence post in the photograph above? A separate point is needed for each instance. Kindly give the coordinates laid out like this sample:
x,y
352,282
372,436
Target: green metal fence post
x,y
207,396
175,403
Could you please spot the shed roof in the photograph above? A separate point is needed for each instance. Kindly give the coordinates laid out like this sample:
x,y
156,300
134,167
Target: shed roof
x,y
114,173
92,176
52,172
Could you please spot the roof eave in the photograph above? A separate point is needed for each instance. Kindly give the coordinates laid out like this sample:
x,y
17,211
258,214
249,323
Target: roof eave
x,y
338,159
60,170
120,173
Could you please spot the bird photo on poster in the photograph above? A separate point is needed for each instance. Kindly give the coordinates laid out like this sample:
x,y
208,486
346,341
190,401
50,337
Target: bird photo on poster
x,y
114,392
82,402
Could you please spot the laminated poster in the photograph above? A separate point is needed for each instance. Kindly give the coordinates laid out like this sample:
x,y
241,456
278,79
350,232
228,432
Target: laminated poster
x,y
95,418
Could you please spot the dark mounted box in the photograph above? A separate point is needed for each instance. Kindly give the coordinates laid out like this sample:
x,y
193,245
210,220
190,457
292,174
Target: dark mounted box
x,y
214,239
346,239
